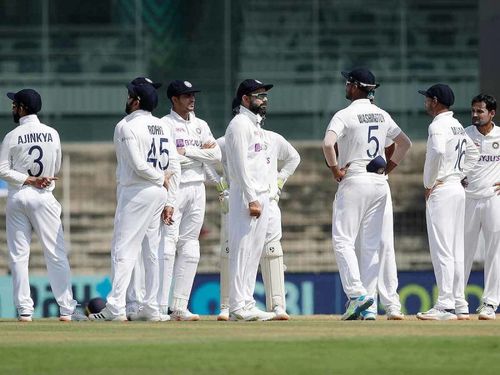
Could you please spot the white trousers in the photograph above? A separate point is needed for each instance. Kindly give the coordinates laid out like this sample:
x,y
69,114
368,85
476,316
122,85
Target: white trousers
x,y
180,245
386,282
445,210
483,216
247,236
358,209
33,209
274,231
138,212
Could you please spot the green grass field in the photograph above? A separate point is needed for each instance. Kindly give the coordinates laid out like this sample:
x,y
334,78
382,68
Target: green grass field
x,y
304,345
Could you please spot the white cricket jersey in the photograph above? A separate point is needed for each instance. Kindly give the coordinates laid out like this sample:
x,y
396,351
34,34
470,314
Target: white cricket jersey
x,y
487,170
362,129
450,152
247,163
192,134
144,149
278,148
31,149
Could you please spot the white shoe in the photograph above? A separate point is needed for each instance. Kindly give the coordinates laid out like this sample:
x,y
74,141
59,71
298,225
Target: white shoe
x,y
486,312
393,313
132,311
368,315
106,315
77,316
436,314
252,314
165,317
25,318
462,315
280,314
146,315
184,316
223,315
355,306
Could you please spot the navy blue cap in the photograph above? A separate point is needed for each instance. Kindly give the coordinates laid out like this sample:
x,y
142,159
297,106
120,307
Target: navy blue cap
x,y
250,85
27,97
376,165
145,81
178,87
146,94
361,76
443,93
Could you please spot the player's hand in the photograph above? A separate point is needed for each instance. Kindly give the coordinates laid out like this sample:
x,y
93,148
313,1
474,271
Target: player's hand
x,y
280,184
181,151
167,215
40,182
339,173
464,182
497,188
428,192
166,181
209,145
224,201
255,209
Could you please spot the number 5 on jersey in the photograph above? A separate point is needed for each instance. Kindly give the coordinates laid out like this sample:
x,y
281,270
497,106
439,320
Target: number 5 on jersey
x,y
152,158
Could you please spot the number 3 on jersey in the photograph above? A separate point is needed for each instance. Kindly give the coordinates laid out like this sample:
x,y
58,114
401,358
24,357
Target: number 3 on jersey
x,y
372,138
38,152
162,151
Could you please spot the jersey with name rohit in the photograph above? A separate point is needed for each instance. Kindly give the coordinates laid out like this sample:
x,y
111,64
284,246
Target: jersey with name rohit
x,y
362,129
31,149
191,135
144,149
450,151
487,170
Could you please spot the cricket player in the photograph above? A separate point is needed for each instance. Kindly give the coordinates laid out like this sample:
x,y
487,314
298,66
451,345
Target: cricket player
x,y
180,246
145,154
360,130
450,156
248,199
272,267
482,203
30,159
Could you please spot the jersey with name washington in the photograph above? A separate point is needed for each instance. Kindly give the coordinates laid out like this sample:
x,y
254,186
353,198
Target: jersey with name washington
x,y
362,129
31,149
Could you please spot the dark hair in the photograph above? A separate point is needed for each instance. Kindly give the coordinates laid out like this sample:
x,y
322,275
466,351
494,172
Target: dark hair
x,y
490,101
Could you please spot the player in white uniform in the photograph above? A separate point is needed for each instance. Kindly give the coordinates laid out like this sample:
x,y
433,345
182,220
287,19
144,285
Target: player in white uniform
x,y
248,199
360,130
450,154
482,204
386,282
195,145
272,268
145,155
29,160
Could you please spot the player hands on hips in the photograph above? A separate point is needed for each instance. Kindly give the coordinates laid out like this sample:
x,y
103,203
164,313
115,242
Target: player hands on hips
x,y
29,159
360,131
450,155
248,199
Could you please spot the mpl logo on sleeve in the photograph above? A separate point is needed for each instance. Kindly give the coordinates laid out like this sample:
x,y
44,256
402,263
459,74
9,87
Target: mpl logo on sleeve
x,y
258,147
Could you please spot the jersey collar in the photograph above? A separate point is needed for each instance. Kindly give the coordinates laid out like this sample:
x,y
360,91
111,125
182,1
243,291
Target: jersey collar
x,y
252,116
178,117
27,119
139,112
360,101
443,115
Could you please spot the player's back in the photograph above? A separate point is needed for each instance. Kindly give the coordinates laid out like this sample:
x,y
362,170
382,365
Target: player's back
x,y
362,129
33,149
151,138
449,145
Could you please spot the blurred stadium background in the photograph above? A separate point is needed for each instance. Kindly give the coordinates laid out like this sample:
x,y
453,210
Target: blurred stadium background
x,y
79,55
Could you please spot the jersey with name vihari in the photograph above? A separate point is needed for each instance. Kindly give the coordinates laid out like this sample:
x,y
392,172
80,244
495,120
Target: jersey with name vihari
x,y
31,149
486,172
362,129
450,152
144,149
191,135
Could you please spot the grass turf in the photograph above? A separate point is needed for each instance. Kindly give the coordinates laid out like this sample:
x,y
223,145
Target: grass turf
x,y
304,345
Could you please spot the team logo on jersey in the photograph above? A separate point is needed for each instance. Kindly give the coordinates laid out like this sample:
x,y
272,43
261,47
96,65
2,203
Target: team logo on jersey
x,y
258,147
179,142
198,130
188,84
495,145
